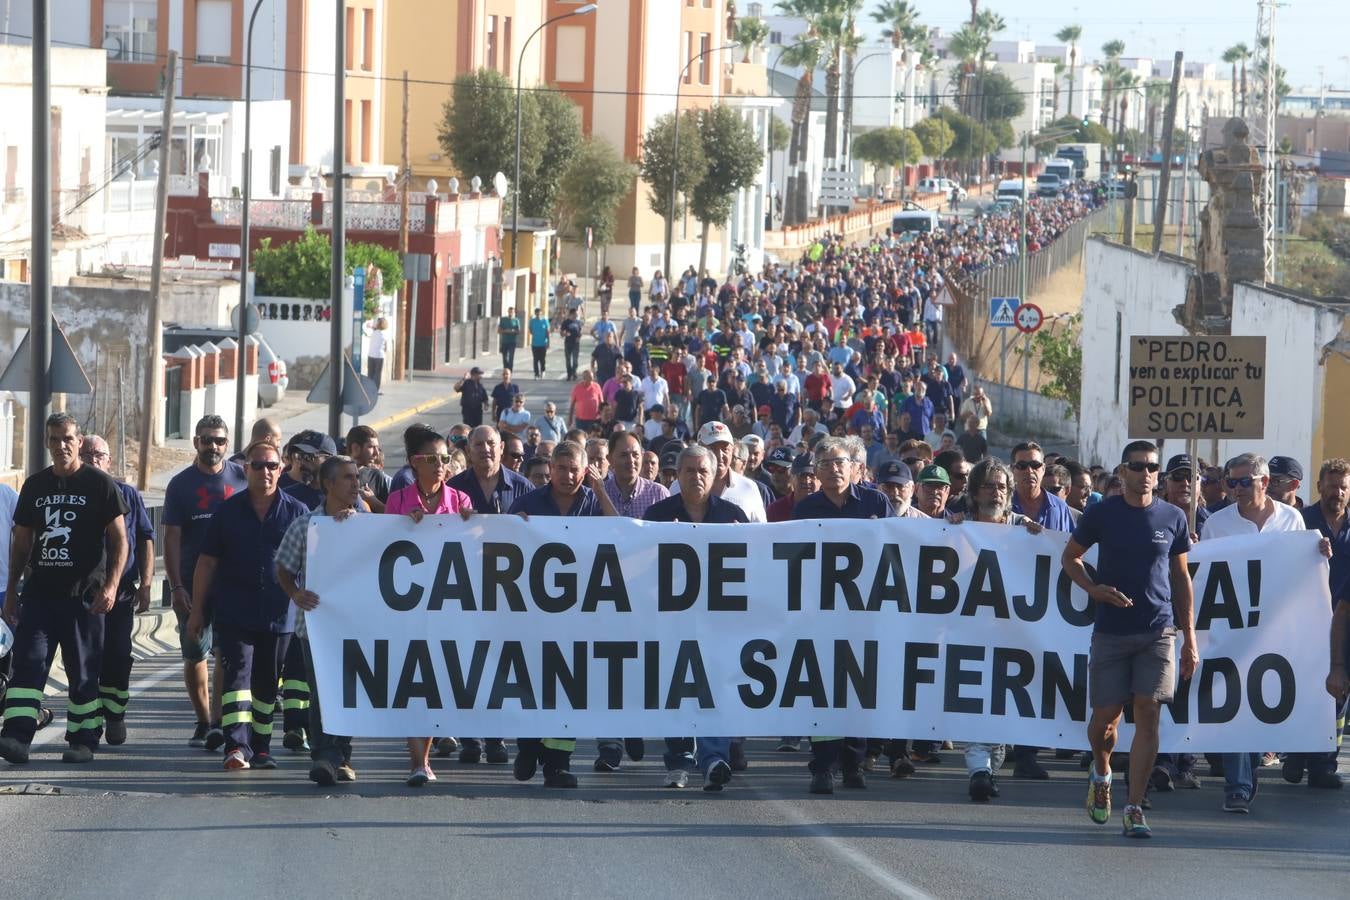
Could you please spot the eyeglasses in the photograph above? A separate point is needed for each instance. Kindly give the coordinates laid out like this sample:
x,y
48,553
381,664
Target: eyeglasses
x,y
217,441
1246,482
442,459
1032,464
1211,479
95,456
258,465
1137,466
834,462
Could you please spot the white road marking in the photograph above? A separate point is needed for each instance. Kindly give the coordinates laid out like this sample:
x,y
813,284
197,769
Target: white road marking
x,y
851,855
172,666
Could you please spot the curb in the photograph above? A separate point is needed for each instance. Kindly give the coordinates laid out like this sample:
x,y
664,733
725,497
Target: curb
x,y
395,418
152,633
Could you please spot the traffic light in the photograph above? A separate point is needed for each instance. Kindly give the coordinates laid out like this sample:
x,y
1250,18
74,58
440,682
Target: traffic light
x,y
1086,122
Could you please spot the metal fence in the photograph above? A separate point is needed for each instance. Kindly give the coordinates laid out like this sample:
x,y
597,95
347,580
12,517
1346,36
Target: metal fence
x,y
967,323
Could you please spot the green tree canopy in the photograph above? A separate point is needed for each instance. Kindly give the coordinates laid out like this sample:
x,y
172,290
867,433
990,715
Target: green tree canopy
x,y
478,131
996,97
734,157
779,134
970,139
935,136
591,189
1072,130
302,268
887,146
657,163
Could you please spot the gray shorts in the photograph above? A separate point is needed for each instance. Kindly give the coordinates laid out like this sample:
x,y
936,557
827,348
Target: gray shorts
x,y
193,651
1121,666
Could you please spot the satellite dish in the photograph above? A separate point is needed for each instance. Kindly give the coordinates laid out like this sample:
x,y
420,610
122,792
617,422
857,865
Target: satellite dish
x,y
250,322
499,184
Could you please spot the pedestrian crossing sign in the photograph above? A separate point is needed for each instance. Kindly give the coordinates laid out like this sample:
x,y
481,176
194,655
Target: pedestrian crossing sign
x,y
1002,312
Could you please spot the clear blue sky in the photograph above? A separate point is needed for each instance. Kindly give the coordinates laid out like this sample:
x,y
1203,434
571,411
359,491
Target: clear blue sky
x,y
1308,33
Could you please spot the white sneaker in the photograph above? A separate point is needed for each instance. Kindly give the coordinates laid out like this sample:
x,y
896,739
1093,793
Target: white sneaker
x,y
677,778
419,777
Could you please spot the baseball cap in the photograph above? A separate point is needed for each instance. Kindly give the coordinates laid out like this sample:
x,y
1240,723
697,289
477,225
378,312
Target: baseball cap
x,y
934,475
752,440
310,441
670,459
1286,466
892,471
657,408
475,371
780,456
803,463
1180,461
764,410
714,433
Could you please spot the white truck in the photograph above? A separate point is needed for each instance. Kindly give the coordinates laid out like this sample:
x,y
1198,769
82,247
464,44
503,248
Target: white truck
x,y
1087,159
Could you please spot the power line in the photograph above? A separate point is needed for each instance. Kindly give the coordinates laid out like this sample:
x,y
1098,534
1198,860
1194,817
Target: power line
x,y
538,89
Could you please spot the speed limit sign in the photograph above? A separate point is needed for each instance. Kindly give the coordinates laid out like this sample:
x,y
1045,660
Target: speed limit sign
x,y
1028,318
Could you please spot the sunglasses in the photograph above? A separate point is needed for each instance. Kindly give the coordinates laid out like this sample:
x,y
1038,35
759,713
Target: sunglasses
x,y
1137,466
1179,476
910,460
217,441
438,458
1208,479
1240,482
1034,464
507,455
258,465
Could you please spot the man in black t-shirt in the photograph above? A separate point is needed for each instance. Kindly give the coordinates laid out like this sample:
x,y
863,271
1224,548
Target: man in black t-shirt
x,y
570,329
68,525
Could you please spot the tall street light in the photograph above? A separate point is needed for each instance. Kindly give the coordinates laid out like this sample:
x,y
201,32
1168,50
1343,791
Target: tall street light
x,y
675,146
515,185
853,77
242,337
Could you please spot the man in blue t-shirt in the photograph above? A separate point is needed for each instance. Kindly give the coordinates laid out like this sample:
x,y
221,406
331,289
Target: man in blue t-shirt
x,y
1143,597
189,503
539,329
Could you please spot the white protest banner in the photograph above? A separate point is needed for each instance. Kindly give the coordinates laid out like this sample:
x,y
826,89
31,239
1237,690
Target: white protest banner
x,y
562,627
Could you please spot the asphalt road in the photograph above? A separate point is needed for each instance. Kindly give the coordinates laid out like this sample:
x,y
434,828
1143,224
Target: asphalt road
x,y
154,818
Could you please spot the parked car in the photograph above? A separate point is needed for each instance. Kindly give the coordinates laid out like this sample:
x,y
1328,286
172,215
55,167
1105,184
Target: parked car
x,y
940,186
272,378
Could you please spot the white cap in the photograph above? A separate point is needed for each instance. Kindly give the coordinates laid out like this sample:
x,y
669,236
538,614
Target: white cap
x,y
714,433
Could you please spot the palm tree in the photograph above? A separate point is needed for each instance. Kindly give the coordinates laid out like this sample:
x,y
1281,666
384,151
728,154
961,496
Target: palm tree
x,y
1060,68
1070,34
1156,94
1110,70
750,34
899,18
1124,83
968,46
1245,55
803,53
850,42
830,28
1232,56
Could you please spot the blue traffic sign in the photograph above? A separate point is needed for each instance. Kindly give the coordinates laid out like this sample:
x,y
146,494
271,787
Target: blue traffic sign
x,y
1002,312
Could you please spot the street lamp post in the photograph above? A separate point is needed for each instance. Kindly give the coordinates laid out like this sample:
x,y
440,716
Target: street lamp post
x,y
247,191
852,78
675,147
515,185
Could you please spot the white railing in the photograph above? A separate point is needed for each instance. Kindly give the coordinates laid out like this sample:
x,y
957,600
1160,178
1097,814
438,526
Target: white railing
x,y
130,196
6,431
187,185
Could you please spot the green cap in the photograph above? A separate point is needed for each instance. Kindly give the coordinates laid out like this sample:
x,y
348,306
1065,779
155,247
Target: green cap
x,y
934,475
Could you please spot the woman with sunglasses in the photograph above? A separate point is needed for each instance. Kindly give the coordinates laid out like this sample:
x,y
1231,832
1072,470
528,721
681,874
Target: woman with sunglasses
x,y
428,495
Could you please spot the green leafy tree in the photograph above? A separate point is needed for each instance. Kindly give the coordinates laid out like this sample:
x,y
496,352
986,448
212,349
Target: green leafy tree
x,y
657,162
750,33
734,157
591,189
780,135
559,138
1059,353
935,136
478,128
996,97
971,140
302,268
887,147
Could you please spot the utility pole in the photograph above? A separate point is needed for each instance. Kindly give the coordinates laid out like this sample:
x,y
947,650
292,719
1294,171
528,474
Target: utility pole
x,y
337,367
40,322
1185,178
1165,170
154,338
401,352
